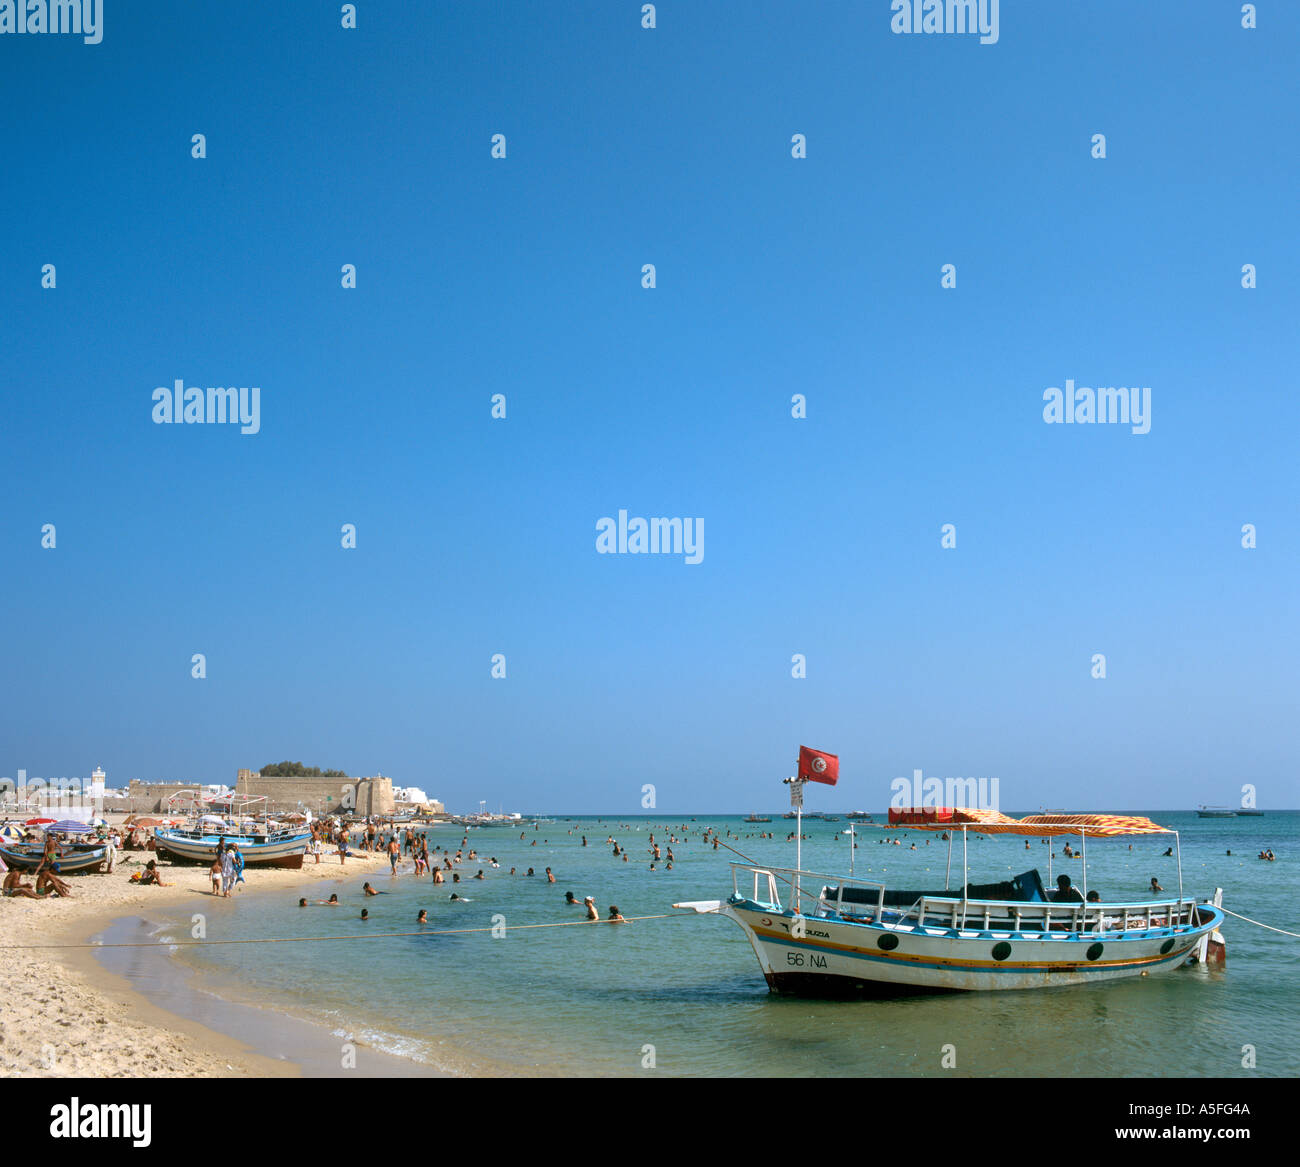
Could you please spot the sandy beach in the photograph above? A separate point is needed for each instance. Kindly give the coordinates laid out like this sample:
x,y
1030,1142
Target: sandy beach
x,y
64,1015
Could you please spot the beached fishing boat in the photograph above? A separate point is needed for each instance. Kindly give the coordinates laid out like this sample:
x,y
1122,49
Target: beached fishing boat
x,y
82,858
261,842
832,935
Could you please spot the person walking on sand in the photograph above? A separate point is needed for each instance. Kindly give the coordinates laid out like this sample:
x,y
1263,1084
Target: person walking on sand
x,y
227,873
394,853
214,872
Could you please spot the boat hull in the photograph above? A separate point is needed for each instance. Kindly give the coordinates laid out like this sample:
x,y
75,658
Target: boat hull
x,y
838,958
83,860
183,848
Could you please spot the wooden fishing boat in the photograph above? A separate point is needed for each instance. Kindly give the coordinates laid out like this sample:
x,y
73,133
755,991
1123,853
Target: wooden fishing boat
x,y
832,935
260,842
26,857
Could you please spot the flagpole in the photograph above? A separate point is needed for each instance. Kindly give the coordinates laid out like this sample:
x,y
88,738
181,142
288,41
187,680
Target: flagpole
x,y
796,800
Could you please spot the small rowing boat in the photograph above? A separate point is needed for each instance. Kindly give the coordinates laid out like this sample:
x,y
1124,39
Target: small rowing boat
x,y
74,859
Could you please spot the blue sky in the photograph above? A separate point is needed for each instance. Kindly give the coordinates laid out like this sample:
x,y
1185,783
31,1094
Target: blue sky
x,y
775,276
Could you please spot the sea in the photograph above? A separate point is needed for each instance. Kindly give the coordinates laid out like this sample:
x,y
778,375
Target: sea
x,y
682,994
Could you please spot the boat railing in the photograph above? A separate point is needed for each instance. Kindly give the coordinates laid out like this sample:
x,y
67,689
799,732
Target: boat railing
x,y
812,893
811,900
956,913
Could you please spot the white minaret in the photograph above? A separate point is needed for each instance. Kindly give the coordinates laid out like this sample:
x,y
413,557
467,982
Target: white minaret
x,y
97,789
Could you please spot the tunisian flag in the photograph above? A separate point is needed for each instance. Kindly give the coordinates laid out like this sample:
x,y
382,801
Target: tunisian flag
x,y
815,766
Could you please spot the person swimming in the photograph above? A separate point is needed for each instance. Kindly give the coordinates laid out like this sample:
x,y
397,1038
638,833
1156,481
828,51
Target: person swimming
x,y
423,917
614,915
365,913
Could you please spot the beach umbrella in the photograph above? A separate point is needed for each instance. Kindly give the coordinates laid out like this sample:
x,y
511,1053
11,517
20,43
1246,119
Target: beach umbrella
x,y
37,822
69,826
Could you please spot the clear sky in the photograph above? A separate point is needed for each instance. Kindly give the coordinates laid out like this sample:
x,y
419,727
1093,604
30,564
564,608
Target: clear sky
x,y
775,276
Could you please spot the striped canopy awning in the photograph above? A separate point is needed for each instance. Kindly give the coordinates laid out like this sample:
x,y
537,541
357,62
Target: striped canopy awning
x,y
993,822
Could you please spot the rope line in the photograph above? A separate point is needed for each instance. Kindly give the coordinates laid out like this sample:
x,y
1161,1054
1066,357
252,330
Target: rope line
x,y
1283,931
313,939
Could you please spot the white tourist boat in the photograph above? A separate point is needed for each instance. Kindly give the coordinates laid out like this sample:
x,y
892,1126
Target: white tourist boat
x,y
832,935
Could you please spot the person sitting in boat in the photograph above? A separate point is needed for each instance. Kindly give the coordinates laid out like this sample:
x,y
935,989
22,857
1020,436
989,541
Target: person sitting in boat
x,y
1094,896
1065,892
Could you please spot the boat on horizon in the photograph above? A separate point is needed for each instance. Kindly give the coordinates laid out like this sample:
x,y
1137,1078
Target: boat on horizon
x,y
834,935
1216,812
757,818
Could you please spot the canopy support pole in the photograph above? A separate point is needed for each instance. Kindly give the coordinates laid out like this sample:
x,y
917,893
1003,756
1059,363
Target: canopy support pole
x,y
947,874
965,878
1178,847
1083,835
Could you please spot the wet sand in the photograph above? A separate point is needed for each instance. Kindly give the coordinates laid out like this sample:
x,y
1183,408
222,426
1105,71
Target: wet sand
x,y
73,1012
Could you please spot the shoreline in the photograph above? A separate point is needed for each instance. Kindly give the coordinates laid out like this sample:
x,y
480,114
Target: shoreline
x,y
67,1013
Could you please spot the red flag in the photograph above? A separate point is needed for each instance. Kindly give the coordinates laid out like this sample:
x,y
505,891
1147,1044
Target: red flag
x,y
815,766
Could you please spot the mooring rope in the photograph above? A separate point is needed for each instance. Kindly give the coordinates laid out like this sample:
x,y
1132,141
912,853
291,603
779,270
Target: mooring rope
x,y
1283,931
313,939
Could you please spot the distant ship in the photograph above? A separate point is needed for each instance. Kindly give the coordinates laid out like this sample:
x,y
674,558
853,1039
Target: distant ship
x,y
1216,812
1254,814
756,818
859,816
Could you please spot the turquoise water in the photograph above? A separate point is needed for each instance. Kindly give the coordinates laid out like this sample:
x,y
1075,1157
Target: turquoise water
x,y
590,1000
